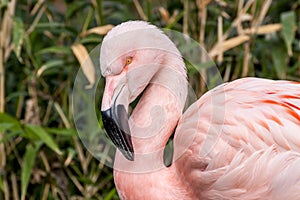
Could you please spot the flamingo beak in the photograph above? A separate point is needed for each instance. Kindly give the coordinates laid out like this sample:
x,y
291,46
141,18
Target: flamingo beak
x,y
115,120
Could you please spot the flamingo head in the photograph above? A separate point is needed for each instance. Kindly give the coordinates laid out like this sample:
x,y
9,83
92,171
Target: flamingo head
x,y
131,55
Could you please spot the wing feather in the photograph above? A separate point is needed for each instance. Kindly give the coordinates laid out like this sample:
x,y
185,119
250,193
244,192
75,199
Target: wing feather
x,y
247,135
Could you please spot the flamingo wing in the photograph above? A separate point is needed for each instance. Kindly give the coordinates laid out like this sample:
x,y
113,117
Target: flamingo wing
x,y
242,140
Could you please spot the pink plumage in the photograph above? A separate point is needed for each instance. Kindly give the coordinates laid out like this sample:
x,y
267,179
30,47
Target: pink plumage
x,y
238,141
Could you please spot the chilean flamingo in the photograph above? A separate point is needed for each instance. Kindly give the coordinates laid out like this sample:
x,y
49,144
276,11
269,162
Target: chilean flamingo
x,y
256,154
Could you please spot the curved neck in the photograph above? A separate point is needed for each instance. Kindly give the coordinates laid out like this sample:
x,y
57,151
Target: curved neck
x,y
155,117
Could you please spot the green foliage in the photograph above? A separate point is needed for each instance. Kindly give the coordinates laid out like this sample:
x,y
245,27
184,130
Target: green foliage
x,y
28,164
43,136
18,36
41,155
288,21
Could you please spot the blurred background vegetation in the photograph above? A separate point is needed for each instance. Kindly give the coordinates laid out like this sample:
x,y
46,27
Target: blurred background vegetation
x,y
42,44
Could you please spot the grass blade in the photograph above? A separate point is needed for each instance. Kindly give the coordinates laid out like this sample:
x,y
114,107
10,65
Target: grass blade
x,y
5,118
5,126
50,64
18,36
279,59
43,136
28,163
111,194
288,33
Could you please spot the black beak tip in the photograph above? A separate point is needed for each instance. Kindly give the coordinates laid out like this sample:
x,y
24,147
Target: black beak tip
x,y
128,154
117,128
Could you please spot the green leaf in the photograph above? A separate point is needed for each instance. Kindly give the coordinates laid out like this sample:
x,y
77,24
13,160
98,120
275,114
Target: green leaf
x,y
50,64
31,135
63,132
43,136
279,60
11,125
55,49
5,126
53,27
45,25
91,39
111,194
288,23
74,7
1,184
5,118
15,95
28,163
18,36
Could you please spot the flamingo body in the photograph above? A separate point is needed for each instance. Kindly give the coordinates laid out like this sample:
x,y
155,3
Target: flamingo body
x,y
238,141
257,151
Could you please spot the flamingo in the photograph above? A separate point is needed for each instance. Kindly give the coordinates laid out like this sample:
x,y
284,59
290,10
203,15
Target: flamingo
x,y
240,140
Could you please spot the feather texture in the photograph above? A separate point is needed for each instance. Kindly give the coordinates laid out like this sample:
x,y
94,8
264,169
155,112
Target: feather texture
x,y
256,146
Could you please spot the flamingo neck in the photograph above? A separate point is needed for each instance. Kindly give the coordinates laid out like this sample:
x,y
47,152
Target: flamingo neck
x,y
155,117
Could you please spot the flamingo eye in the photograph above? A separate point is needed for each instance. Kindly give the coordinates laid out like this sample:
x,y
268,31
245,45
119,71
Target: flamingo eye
x,y
128,60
